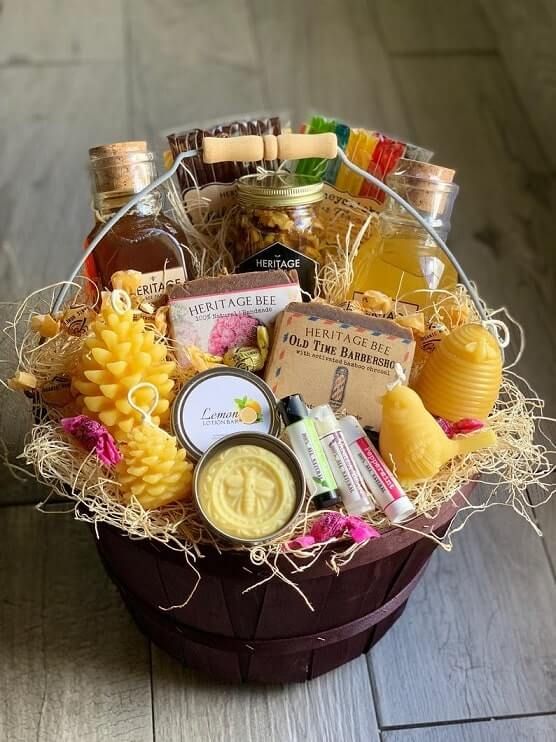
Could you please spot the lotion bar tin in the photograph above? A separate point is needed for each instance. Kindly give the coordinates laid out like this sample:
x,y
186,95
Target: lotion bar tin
x,y
219,403
275,446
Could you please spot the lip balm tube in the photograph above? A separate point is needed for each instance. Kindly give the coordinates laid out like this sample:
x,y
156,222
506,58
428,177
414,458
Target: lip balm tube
x,y
306,445
351,486
385,489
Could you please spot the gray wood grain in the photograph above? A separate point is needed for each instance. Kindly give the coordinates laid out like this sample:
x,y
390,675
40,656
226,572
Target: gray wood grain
x,y
72,665
546,517
525,35
45,133
57,31
478,637
191,62
533,729
335,66
432,26
55,115
333,708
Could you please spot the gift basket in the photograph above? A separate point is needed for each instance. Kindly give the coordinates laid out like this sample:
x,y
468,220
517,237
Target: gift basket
x,y
271,389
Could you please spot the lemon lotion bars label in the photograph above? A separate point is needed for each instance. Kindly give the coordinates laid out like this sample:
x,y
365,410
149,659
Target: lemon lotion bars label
x,y
221,402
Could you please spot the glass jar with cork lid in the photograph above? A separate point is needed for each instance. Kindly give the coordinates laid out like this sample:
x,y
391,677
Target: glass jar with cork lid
x,y
401,259
279,225
145,239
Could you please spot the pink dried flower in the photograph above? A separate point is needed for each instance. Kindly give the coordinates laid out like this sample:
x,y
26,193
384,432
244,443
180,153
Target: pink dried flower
x,y
232,331
94,437
334,525
467,425
329,525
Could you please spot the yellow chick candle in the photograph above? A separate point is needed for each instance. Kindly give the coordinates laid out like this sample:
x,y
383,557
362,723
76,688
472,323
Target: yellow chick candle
x,y
413,444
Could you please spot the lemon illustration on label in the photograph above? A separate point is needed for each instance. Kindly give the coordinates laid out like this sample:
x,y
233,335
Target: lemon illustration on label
x,y
248,415
249,410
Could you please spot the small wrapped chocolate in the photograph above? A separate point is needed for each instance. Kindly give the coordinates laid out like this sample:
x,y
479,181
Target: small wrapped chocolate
x,y
250,358
45,325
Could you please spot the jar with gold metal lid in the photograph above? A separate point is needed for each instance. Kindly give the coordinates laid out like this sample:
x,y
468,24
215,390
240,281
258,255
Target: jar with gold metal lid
x,y
279,225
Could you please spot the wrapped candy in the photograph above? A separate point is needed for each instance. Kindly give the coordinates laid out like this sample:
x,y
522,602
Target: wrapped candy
x,y
200,360
23,382
467,425
46,325
247,357
375,302
415,322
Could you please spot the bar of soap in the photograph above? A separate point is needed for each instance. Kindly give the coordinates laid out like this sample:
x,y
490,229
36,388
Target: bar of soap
x,y
337,357
247,492
221,313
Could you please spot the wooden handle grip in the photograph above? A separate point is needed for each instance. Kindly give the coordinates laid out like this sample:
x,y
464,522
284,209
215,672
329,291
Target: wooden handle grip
x,y
269,147
298,146
233,149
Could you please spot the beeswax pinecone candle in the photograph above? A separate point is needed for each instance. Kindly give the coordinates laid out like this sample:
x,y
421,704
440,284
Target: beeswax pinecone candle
x,y
153,468
118,354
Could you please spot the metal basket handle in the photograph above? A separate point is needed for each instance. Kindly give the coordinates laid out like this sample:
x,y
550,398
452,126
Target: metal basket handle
x,y
340,153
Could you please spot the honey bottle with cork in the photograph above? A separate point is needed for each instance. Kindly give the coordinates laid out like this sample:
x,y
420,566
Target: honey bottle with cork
x,y
401,259
145,239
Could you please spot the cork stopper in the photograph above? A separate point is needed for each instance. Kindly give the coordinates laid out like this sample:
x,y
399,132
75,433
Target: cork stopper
x,y
427,187
121,169
426,170
118,149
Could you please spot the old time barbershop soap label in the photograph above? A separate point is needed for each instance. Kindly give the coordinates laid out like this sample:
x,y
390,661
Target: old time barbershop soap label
x,y
331,356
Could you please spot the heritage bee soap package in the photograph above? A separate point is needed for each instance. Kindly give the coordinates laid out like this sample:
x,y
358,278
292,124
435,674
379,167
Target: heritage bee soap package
x,y
336,357
222,313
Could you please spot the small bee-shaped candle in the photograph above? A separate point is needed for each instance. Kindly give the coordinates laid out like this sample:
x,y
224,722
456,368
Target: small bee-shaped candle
x,y
462,378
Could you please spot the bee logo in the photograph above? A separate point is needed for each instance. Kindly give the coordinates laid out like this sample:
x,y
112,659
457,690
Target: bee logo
x,y
249,492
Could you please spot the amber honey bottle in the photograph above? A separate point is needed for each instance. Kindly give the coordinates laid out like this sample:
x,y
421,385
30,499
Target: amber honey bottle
x,y
145,239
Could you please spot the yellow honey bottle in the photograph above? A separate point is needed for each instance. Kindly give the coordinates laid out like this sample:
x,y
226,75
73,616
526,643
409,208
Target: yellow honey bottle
x,y
400,258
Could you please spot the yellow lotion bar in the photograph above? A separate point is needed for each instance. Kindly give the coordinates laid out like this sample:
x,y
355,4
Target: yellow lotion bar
x,y
247,492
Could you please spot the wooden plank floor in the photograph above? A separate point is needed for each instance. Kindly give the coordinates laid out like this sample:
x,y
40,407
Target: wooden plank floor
x,y
473,658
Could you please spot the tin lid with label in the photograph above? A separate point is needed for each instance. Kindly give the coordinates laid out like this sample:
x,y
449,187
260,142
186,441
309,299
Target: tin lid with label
x,y
222,402
279,189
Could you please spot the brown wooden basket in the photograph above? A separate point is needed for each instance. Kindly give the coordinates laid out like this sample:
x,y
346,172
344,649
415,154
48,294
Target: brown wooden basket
x,y
269,634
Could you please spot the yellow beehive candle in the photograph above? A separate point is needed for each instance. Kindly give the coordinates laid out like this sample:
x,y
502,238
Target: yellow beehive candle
x,y
153,469
246,492
118,354
413,444
462,377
